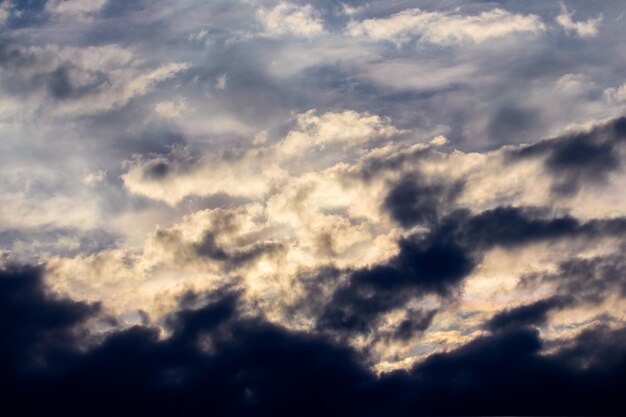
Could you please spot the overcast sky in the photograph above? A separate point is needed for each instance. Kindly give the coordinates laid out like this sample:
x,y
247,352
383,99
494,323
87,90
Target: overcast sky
x,y
327,207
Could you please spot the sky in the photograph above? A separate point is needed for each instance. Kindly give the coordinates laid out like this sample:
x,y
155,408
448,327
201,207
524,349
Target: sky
x,y
260,207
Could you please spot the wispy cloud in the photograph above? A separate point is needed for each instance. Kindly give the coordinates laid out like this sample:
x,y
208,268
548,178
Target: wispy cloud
x,y
445,28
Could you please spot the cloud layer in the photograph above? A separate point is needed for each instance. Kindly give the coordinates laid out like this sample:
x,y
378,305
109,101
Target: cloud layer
x,y
271,207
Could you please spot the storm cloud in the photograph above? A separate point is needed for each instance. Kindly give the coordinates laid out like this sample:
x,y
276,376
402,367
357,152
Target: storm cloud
x,y
218,362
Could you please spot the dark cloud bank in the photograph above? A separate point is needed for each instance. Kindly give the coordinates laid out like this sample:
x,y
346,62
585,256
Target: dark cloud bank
x,y
219,362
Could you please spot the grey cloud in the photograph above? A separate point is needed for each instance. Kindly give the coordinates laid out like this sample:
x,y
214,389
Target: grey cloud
x,y
218,244
156,170
580,158
36,245
529,314
513,122
234,259
480,96
438,262
411,201
220,361
586,280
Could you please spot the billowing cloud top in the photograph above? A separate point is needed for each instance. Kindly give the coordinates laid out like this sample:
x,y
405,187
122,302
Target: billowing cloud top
x,y
326,208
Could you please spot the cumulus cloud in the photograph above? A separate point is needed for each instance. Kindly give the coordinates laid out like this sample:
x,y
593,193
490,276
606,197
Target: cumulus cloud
x,y
444,28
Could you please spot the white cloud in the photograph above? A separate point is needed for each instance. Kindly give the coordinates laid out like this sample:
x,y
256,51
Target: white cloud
x,y
94,178
616,94
574,84
330,215
584,29
347,128
170,109
75,8
5,11
254,172
444,28
290,19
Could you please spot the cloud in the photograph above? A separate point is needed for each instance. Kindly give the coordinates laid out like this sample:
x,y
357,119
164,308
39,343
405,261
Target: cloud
x,y
38,244
438,263
444,28
580,158
5,12
411,202
75,8
252,173
586,280
616,93
585,29
381,247
37,323
448,222
420,268
530,314
290,19
248,366
170,109
71,81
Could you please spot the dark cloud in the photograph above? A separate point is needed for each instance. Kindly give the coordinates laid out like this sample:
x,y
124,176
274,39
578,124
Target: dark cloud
x,y
420,268
505,373
215,362
599,348
587,280
411,201
415,322
526,315
35,326
218,362
156,170
61,83
515,226
437,262
581,158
